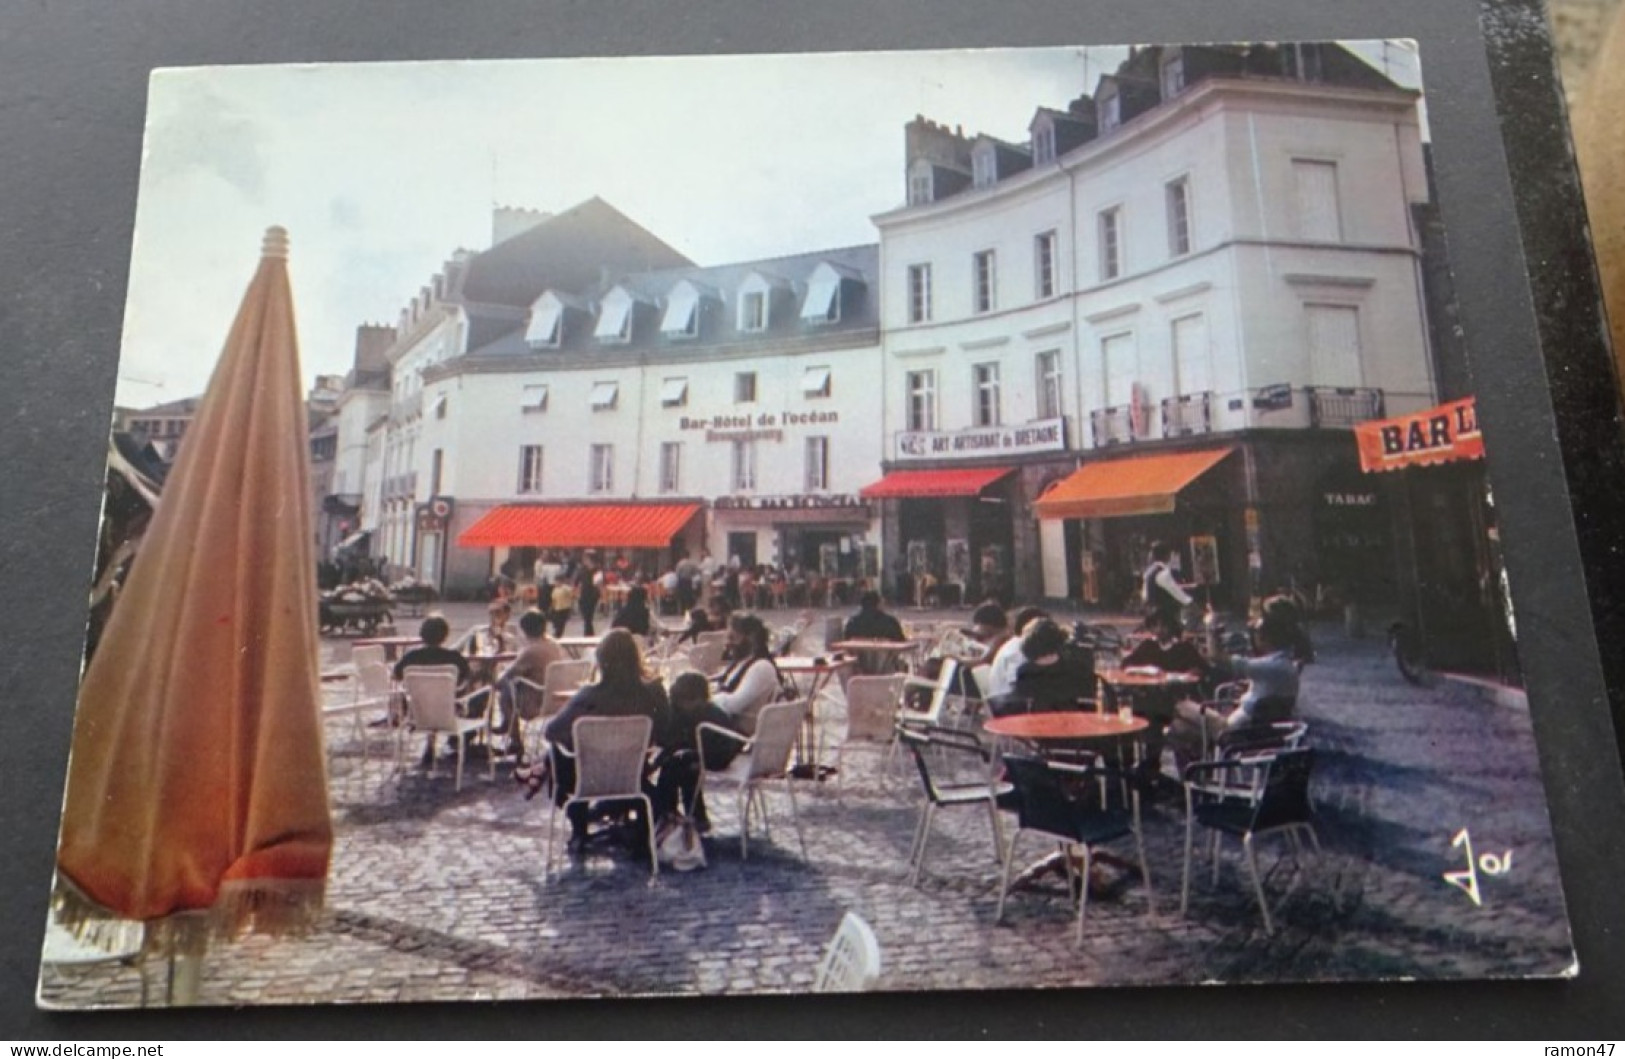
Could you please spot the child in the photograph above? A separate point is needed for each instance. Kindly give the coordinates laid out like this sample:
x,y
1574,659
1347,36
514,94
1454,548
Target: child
x,y
679,763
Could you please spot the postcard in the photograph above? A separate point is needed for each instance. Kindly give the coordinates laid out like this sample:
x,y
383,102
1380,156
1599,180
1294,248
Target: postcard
x,y
764,524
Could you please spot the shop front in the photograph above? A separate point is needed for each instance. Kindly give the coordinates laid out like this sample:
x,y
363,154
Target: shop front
x,y
1106,515
1447,560
823,542
956,511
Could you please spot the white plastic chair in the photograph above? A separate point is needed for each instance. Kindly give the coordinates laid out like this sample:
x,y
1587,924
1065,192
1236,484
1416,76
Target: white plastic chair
x,y
560,680
609,756
706,656
766,757
431,707
373,689
940,708
851,962
871,719
368,653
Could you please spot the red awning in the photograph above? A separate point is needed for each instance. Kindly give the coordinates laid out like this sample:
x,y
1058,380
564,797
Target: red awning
x,y
1437,435
579,526
1140,485
956,482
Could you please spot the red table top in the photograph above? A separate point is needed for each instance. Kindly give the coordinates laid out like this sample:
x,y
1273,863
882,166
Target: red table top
x,y
1068,725
805,664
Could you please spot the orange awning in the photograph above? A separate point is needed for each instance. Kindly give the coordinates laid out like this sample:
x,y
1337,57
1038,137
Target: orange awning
x,y
1142,485
1438,435
579,526
951,482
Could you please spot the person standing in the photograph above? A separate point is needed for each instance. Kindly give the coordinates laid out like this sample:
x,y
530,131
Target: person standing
x,y
561,602
587,591
1164,597
708,573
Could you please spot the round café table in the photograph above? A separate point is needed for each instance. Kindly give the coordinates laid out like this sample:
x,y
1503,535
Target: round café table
x,y
1066,729
811,675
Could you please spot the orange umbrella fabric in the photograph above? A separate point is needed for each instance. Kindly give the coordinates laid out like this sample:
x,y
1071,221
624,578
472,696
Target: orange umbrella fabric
x,y
197,779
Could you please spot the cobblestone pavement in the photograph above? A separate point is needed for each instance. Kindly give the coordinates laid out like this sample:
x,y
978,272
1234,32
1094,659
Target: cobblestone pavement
x,y
436,895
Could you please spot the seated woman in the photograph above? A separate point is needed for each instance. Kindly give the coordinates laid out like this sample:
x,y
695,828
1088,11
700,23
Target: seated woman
x,y
1052,677
751,679
1272,688
678,767
624,689
634,614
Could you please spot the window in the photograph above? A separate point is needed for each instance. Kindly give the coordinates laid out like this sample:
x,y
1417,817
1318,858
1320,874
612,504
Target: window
x,y
682,317
745,387
817,464
823,302
605,396
437,465
815,382
1047,367
744,465
984,167
983,267
1121,361
1108,109
533,398
1173,73
919,184
753,311
1178,197
1111,249
615,317
1043,143
919,293
1334,345
674,393
530,468
671,466
601,468
440,407
546,325
922,400
1193,370
1314,186
985,383
1044,265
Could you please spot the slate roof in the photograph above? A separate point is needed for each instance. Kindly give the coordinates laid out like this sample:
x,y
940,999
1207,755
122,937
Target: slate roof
x,y
856,266
567,251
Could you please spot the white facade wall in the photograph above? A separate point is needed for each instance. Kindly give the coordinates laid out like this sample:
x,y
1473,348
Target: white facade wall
x,y
357,409
1241,294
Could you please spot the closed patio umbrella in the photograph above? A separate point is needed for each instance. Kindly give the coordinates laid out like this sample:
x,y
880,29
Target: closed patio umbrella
x,y
197,779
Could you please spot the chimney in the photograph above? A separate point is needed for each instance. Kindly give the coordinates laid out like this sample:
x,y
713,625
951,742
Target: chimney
x,y
509,221
372,342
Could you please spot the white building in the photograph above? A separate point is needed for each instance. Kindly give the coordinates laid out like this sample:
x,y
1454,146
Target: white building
x,y
733,409
1214,262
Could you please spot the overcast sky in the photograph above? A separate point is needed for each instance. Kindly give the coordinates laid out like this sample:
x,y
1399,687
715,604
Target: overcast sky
x,y
380,171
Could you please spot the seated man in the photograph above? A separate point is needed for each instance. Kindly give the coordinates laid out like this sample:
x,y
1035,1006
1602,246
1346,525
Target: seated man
x,y
1271,695
1054,675
1007,659
434,652
516,701
496,636
873,623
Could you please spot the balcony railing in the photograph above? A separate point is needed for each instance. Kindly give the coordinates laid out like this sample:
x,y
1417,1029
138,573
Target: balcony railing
x,y
1120,424
1186,415
1343,406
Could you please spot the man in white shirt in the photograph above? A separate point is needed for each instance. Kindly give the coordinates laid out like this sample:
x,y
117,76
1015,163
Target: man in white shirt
x,y
1001,677
1164,597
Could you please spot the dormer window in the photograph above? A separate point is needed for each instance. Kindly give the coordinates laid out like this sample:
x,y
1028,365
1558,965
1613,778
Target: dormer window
x,y
1108,108
546,326
984,166
615,317
605,396
533,398
682,317
754,303
823,302
815,382
1173,73
920,190
1043,143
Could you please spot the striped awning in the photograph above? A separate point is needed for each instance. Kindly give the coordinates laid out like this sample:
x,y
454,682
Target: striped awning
x,y
579,526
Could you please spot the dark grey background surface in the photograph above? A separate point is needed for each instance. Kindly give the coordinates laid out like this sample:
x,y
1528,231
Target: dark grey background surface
x,y
72,98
